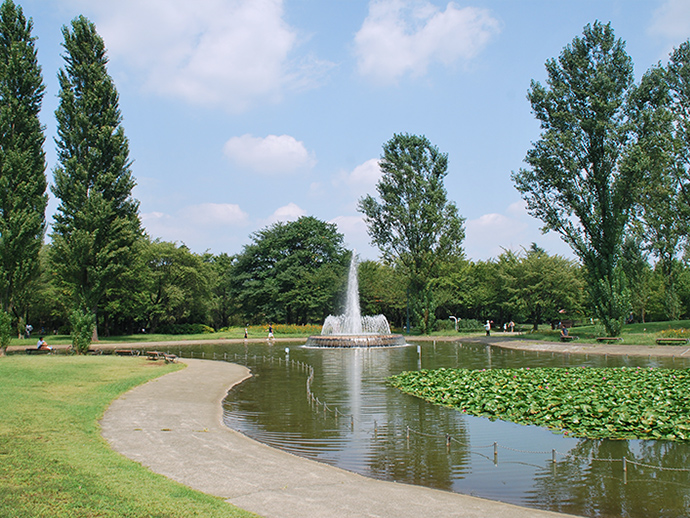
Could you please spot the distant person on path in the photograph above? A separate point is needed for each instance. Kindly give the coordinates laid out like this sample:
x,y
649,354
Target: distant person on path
x,y
246,333
511,326
29,328
487,326
270,331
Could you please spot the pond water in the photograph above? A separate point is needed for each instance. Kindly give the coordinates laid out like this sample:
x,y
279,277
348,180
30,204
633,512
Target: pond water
x,y
370,428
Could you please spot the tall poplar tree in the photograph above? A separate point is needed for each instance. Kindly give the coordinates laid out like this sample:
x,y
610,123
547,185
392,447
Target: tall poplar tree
x,y
23,195
576,182
97,221
414,224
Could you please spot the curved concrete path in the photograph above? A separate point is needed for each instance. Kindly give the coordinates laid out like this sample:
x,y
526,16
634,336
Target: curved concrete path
x,y
173,425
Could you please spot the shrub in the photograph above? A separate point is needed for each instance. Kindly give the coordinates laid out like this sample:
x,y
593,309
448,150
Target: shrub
x,y
185,329
470,324
82,324
675,333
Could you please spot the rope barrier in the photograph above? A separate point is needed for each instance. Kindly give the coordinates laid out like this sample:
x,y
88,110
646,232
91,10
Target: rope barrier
x,y
447,438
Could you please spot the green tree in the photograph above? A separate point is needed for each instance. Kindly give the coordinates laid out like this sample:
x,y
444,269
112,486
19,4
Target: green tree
x,y
540,286
176,286
224,310
414,225
663,213
638,272
381,291
82,324
470,290
23,183
678,81
575,182
5,331
97,221
291,272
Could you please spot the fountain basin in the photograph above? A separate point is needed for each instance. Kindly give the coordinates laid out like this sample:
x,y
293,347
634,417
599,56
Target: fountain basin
x,y
355,341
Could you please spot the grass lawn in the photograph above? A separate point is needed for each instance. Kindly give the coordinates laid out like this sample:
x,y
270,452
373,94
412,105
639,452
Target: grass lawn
x,y
53,460
632,334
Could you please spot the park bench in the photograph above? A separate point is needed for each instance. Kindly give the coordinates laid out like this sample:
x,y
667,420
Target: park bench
x,y
157,355
568,338
126,352
609,339
671,341
33,350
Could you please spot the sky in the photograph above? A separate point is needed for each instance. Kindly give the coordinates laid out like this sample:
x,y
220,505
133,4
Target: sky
x,y
244,113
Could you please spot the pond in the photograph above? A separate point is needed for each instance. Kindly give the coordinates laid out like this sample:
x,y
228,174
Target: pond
x,y
348,417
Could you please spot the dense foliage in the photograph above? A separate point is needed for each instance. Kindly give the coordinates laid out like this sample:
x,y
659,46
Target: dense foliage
x,y
23,183
97,222
600,134
291,272
413,223
578,182
614,403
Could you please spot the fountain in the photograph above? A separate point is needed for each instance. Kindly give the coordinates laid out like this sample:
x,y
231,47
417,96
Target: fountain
x,y
351,329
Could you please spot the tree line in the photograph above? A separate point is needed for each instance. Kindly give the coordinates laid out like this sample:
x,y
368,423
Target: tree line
x,y
609,174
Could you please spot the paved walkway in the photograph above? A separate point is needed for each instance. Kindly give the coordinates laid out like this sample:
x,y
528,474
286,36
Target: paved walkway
x,y
173,425
523,343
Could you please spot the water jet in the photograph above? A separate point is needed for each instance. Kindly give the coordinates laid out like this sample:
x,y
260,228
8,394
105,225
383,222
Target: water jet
x,y
351,329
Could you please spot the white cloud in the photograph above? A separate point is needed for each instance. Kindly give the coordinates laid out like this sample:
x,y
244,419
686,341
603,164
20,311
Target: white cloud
x,y
272,154
362,179
197,225
289,212
210,52
222,214
672,21
490,235
401,37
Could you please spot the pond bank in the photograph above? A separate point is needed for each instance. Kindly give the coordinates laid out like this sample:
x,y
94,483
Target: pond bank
x,y
173,426
523,343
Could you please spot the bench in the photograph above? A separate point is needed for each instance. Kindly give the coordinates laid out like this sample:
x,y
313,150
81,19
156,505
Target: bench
x,y
568,338
127,352
33,350
609,339
157,355
666,341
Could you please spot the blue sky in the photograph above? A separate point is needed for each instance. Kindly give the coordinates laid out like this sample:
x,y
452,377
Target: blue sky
x,y
241,113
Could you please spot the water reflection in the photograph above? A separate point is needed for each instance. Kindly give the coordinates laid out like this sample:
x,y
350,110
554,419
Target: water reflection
x,y
379,432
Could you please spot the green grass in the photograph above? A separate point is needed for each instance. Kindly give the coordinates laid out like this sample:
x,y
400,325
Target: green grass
x,y
53,460
279,330
632,334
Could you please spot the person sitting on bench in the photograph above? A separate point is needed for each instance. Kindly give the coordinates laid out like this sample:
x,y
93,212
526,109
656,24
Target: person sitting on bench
x,y
43,345
564,331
